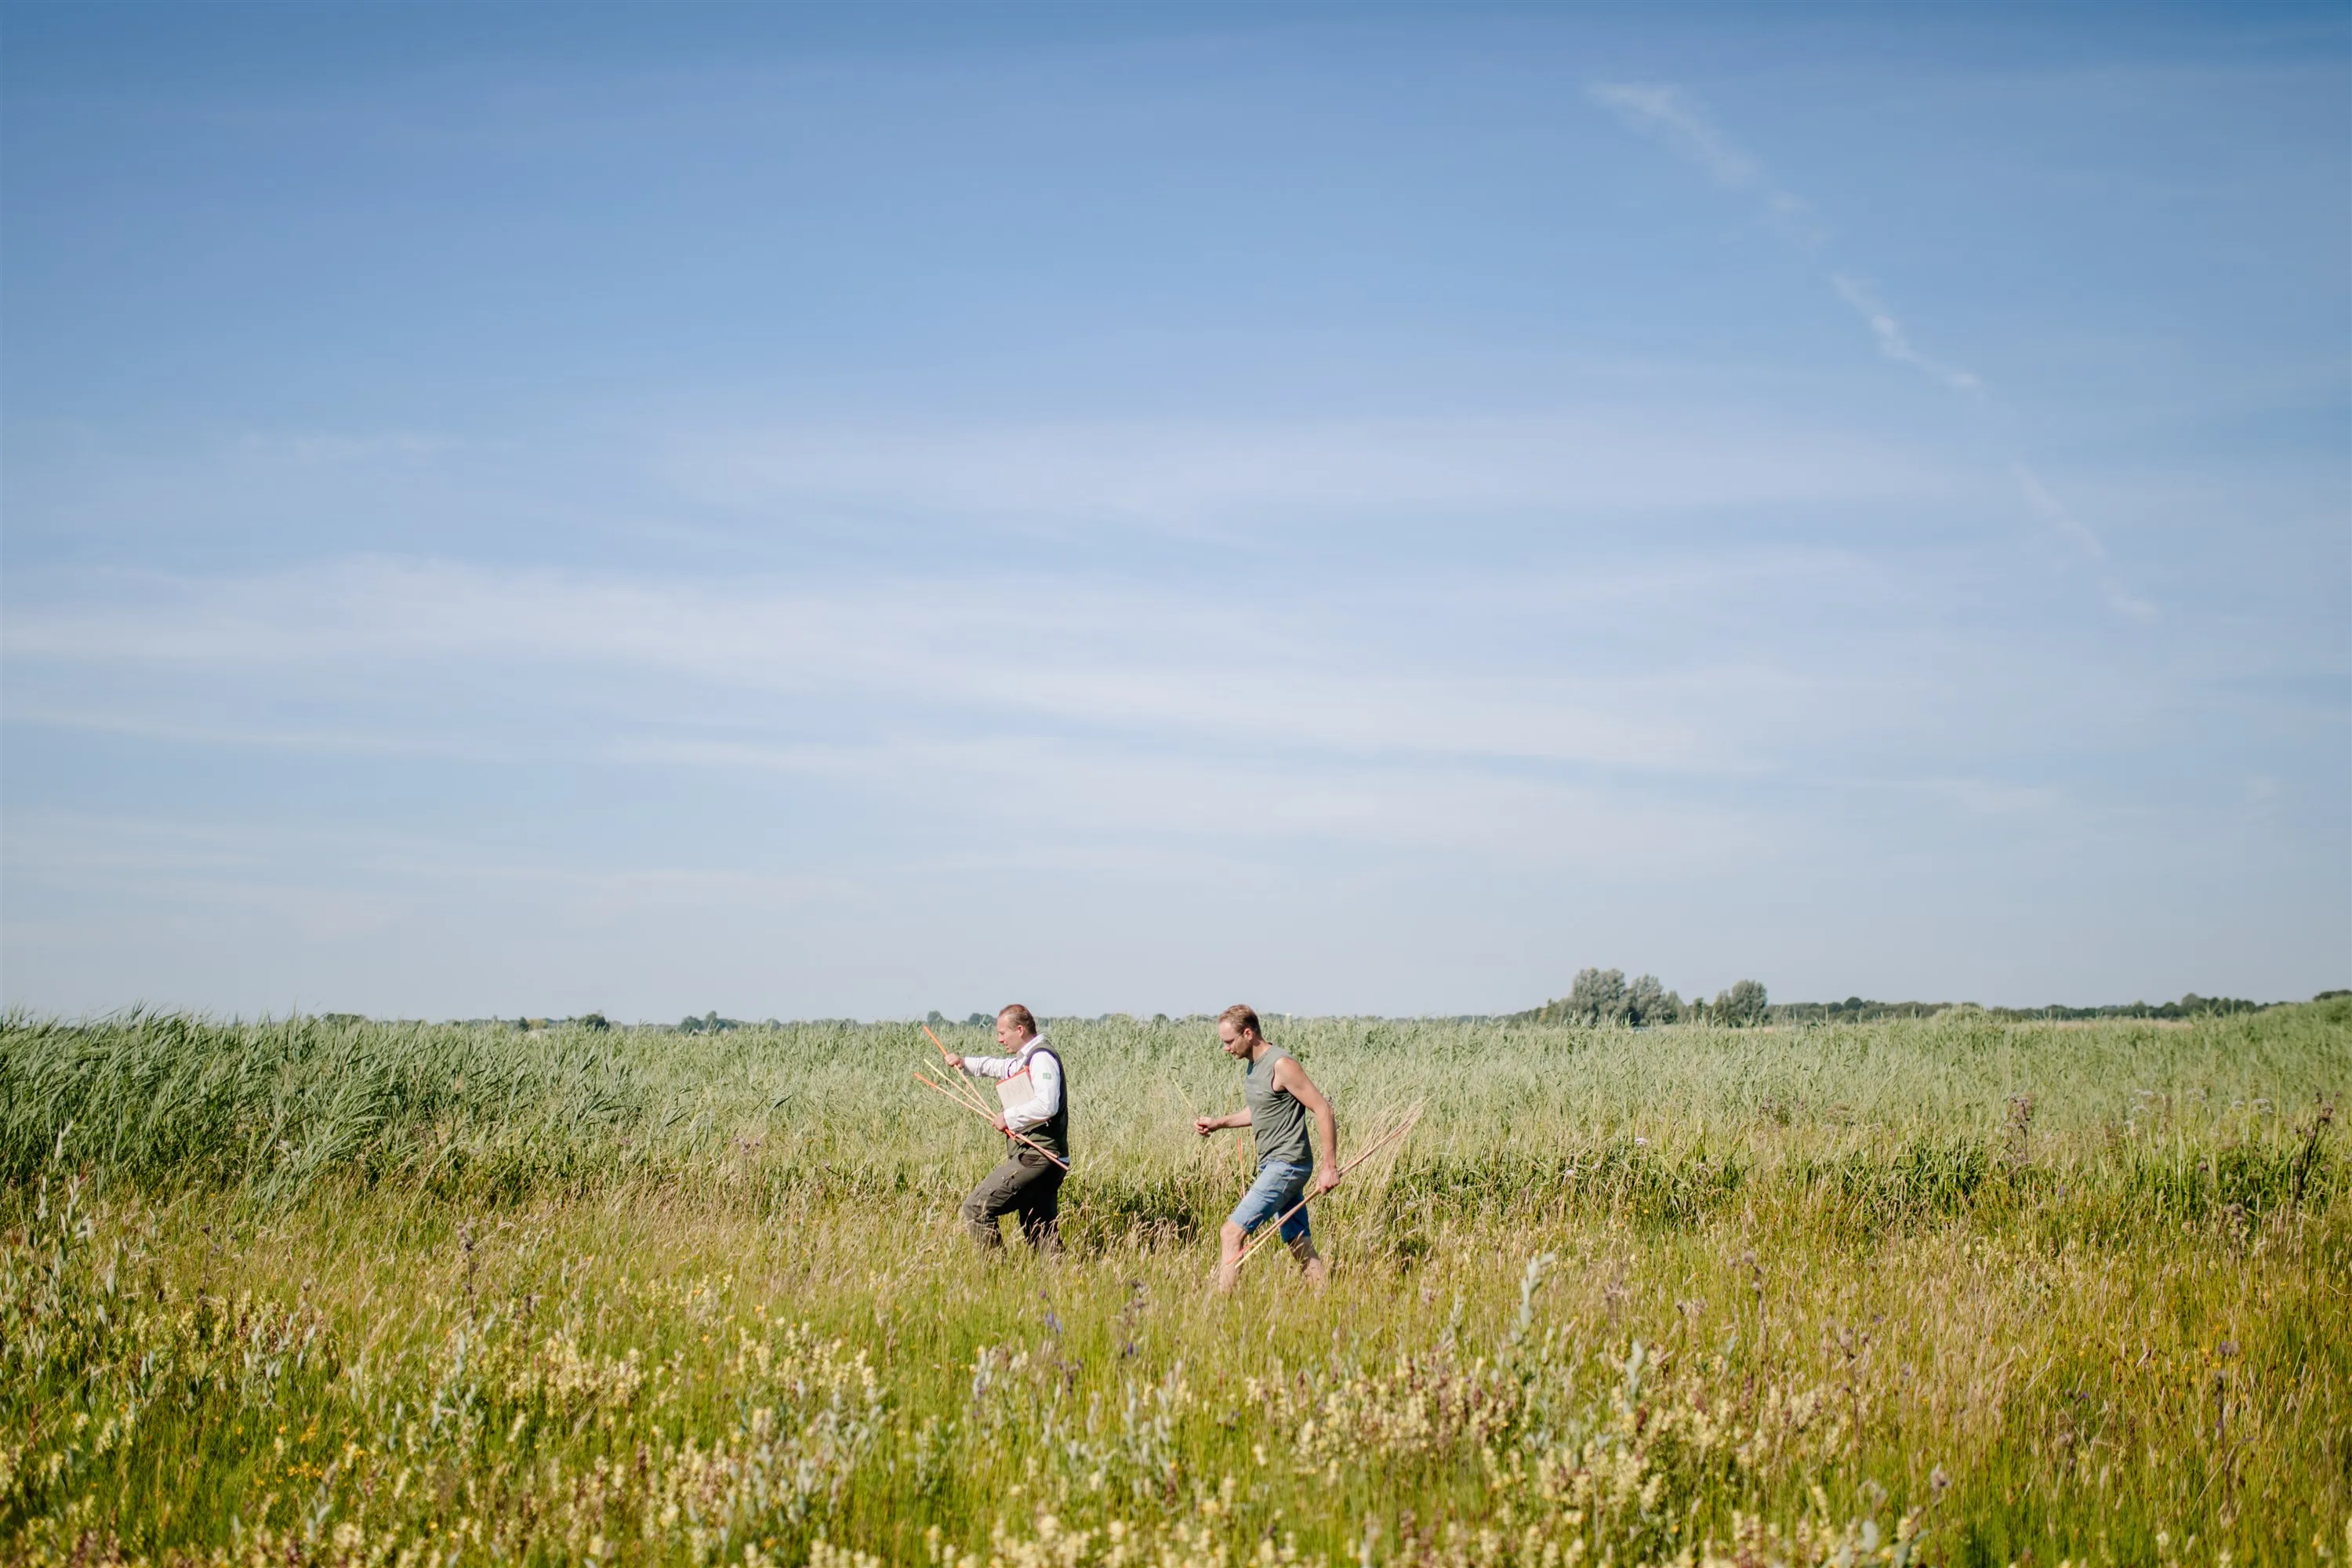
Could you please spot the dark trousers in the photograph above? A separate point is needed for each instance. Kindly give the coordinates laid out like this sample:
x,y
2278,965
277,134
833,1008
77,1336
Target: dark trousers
x,y
1026,1184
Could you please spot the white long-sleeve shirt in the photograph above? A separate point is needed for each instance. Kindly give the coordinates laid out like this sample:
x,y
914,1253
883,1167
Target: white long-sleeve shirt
x,y
1044,1072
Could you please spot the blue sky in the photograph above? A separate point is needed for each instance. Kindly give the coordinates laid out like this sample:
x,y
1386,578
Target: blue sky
x,y
847,511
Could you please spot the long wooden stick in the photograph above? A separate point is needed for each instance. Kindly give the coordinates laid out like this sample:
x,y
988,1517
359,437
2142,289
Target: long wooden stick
x,y
963,1085
1270,1232
969,1101
960,1086
938,1088
957,1079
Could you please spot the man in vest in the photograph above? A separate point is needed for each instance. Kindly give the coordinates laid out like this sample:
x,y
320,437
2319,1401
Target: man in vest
x,y
1278,1098
1036,1105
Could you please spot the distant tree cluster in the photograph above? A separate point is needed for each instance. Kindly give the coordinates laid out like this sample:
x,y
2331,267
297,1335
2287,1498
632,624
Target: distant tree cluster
x,y
708,1024
1604,997
1743,1006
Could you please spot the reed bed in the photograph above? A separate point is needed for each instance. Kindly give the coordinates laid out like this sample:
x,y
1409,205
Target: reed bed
x,y
1951,1291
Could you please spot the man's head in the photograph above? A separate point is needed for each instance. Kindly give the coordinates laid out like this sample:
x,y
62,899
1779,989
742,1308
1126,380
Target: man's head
x,y
1015,1026
1238,1031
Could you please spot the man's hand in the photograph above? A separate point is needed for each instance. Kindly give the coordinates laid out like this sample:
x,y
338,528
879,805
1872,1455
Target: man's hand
x,y
1327,1178
1205,1125
997,1121
955,1062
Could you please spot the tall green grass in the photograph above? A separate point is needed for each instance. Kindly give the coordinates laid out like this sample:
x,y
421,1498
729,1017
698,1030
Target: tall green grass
x,y
2179,1117
1951,1291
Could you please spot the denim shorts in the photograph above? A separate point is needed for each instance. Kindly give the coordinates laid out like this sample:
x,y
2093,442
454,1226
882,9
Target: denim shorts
x,y
1277,1191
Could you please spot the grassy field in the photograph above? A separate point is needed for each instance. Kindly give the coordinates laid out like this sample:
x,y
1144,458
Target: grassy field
x,y
1952,1292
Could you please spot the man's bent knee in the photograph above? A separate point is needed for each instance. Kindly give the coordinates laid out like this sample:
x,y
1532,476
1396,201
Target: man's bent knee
x,y
981,1224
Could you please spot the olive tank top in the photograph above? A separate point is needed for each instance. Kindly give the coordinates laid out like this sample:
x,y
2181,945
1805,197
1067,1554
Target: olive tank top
x,y
1276,1116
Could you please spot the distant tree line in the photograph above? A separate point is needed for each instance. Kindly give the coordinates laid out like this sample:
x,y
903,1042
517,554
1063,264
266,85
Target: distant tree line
x,y
711,1023
2192,1005
1601,998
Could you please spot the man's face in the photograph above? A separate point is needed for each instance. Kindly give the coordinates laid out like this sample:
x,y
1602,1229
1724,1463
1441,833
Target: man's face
x,y
1009,1035
1235,1041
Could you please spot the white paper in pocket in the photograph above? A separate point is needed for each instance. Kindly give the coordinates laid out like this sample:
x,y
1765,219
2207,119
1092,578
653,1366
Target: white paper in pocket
x,y
1018,1094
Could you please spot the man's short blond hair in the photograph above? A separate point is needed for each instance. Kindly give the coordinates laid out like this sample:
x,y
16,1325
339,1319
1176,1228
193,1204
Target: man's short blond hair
x,y
1244,1018
1022,1016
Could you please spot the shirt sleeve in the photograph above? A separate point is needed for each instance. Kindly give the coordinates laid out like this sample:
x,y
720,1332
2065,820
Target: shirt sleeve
x,y
1045,1082
988,1066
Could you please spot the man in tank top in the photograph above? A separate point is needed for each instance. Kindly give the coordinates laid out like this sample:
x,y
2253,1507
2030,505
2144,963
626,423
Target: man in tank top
x,y
1279,1097
1036,1105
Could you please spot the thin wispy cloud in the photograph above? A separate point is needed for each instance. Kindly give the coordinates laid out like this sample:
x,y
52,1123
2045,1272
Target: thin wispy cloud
x,y
1675,117
1894,343
285,873
2078,537
1120,660
1376,719
2057,514
324,447
1417,805
1625,454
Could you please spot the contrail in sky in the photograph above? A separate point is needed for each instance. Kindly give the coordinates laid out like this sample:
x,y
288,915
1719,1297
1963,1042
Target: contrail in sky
x,y
1676,118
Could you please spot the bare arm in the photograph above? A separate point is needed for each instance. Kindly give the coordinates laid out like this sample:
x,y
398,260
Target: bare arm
x,y
1289,1076
1205,1125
